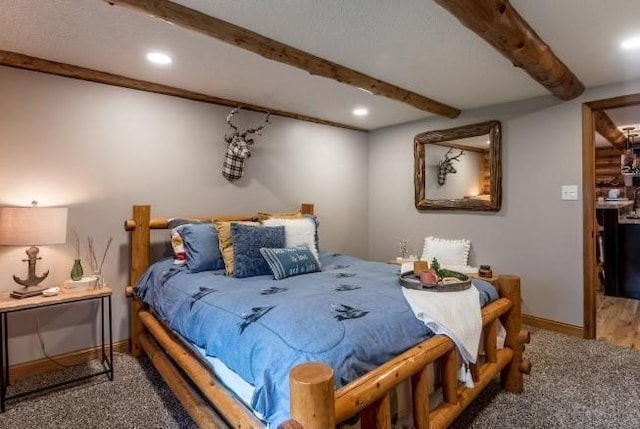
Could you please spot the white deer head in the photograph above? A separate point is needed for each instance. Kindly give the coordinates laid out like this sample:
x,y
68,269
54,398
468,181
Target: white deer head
x,y
446,166
238,145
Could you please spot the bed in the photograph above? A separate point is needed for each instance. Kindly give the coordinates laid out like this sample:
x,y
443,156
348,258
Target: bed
x,y
314,401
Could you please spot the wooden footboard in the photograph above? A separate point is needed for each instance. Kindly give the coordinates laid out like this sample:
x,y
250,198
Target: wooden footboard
x,y
370,394
314,402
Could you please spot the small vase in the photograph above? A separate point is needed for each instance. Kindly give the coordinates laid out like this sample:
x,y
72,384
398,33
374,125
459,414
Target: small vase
x,y
76,270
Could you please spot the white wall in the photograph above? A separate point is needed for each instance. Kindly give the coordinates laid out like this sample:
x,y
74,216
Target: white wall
x,y
100,149
535,234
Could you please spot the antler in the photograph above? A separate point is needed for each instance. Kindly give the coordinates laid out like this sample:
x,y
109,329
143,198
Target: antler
x,y
258,129
447,158
229,116
244,135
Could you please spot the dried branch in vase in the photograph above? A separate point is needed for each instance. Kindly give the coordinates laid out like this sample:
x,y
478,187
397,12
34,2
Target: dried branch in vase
x,y
104,255
93,260
76,241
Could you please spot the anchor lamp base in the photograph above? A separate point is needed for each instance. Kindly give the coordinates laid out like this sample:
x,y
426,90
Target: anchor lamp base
x,y
32,279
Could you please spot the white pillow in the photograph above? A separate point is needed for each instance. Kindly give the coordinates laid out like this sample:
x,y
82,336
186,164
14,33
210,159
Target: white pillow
x,y
297,231
447,252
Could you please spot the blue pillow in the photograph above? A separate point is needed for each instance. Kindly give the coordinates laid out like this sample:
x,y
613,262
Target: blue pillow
x,y
247,241
290,261
201,246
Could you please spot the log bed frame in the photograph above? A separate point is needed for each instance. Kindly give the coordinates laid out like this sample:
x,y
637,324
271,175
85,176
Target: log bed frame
x,y
314,402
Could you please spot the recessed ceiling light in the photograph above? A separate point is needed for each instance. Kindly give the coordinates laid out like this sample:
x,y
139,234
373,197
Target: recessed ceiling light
x,y
360,111
159,58
632,43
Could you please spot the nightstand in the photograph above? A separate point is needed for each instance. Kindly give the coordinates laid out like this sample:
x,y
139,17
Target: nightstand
x,y
11,305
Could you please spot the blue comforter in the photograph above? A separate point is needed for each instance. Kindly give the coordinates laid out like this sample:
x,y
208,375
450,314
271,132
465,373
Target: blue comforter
x,y
351,315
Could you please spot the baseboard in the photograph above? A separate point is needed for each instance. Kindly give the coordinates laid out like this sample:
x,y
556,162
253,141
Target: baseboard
x,y
44,365
552,325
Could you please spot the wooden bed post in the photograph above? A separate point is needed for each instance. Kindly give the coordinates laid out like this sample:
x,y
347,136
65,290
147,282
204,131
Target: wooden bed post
x,y
140,257
420,383
306,208
312,396
511,376
140,238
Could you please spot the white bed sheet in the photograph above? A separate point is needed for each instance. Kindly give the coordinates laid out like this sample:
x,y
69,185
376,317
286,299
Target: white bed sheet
x,y
233,382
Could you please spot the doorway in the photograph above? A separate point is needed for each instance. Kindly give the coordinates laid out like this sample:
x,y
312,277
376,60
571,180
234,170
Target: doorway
x,y
589,203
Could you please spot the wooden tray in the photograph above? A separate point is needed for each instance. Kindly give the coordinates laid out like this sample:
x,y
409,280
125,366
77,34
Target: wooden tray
x,y
410,281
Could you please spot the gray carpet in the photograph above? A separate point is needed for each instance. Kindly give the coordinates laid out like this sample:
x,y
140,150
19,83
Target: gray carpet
x,y
137,398
574,383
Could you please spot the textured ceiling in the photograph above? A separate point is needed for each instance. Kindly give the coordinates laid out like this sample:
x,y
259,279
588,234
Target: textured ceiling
x,y
413,44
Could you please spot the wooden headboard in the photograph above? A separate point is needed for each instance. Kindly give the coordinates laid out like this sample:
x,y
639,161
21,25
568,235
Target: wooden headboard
x,y
142,224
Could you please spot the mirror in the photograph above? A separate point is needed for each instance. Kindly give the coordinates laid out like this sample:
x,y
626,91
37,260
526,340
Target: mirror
x,y
459,168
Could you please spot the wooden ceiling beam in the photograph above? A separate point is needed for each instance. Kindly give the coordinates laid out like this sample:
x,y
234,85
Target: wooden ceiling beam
x,y
21,61
608,129
273,50
500,25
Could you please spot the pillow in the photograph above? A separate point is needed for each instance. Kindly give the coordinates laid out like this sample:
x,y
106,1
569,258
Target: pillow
x,y
286,215
298,232
198,245
447,252
223,228
247,241
175,222
177,243
291,261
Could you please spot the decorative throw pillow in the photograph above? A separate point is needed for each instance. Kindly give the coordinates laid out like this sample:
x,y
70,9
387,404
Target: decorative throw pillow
x,y
198,245
177,243
298,231
285,215
447,252
247,241
290,261
175,222
223,228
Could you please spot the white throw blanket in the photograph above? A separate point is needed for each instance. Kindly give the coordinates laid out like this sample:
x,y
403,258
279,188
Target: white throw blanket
x,y
454,314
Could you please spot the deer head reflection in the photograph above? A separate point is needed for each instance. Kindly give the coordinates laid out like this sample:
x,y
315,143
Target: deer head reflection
x,y
446,166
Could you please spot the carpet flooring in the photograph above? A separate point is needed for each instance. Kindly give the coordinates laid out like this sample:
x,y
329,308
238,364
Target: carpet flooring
x,y
136,398
574,383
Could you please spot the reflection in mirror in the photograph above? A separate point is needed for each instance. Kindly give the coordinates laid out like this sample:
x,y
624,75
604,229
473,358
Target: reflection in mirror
x,y
459,168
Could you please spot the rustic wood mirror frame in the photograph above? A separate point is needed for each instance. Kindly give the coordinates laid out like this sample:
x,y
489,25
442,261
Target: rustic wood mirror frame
x,y
493,129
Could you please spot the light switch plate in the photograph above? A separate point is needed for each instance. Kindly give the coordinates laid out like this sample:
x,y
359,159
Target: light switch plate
x,y
569,192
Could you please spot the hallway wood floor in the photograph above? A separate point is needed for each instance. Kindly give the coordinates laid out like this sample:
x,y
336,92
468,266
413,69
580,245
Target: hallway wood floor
x,y
618,321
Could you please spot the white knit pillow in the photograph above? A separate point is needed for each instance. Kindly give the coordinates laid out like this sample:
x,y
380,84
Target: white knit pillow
x,y
297,232
447,252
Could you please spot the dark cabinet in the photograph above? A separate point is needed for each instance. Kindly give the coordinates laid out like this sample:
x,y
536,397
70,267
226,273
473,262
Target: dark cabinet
x,y
629,252
608,219
621,254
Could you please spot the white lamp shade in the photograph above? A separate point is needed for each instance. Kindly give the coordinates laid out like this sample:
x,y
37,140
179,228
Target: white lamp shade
x,y
33,226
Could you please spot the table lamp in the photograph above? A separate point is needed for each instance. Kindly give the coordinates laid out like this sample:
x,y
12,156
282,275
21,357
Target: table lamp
x,y
31,226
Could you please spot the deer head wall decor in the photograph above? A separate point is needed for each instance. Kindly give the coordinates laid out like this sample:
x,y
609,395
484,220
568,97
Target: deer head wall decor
x,y
238,147
446,166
